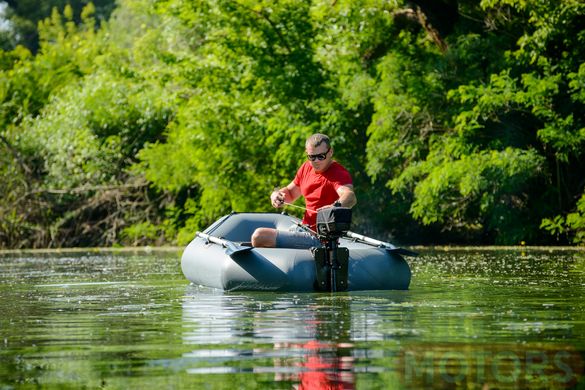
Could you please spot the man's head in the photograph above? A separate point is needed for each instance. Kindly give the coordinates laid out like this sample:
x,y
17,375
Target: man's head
x,y
319,151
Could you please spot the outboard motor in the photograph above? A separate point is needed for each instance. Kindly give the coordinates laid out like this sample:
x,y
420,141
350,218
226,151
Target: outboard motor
x,y
331,261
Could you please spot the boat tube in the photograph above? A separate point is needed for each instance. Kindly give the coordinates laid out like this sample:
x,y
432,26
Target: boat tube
x,y
222,257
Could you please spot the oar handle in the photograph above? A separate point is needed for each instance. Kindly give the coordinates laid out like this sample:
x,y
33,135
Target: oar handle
x,y
369,240
213,239
231,248
381,244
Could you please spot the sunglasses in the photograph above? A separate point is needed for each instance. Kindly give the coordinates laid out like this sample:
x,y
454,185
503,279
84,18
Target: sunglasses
x,y
319,156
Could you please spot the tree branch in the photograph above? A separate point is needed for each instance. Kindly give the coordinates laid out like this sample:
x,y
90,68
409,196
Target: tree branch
x,y
16,155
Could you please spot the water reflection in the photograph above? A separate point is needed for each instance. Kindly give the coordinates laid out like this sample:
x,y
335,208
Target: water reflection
x,y
321,366
316,354
470,320
534,365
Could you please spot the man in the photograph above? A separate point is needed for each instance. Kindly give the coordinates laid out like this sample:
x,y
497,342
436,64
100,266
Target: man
x,y
323,182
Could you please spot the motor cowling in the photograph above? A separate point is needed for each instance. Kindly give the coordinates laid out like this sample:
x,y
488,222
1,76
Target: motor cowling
x,y
333,222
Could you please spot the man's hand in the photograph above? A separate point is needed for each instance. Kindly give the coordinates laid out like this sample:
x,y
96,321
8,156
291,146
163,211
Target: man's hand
x,y
277,198
335,204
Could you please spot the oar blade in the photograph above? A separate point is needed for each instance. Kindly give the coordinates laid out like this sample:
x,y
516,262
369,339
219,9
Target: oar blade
x,y
231,248
234,250
402,251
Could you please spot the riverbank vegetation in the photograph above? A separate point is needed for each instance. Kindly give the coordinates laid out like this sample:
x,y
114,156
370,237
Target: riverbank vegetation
x,y
461,121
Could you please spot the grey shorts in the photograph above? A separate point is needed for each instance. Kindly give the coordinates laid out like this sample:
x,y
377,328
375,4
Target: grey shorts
x,y
296,239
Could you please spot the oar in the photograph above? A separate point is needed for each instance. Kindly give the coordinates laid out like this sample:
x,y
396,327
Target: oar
x,y
367,240
231,248
386,245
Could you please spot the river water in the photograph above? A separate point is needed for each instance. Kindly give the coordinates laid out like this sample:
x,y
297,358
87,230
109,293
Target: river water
x,y
471,319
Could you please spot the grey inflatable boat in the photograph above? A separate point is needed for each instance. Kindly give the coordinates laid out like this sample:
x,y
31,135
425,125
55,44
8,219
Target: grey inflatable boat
x,y
221,257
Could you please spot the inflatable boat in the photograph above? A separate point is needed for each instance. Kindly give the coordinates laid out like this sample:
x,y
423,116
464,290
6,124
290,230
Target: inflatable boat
x,y
222,257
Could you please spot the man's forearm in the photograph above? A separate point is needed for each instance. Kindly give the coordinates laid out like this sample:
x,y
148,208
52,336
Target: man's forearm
x,y
347,198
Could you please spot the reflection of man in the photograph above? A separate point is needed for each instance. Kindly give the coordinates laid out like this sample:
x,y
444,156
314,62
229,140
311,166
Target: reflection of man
x,y
322,181
328,371
322,366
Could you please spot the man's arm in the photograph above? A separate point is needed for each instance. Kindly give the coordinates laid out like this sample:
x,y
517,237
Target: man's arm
x,y
347,197
287,194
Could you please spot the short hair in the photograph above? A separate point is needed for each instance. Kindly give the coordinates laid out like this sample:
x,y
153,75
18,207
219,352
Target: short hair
x,y
317,139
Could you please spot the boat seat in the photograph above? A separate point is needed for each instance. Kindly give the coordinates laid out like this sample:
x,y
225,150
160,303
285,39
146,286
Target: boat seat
x,y
239,227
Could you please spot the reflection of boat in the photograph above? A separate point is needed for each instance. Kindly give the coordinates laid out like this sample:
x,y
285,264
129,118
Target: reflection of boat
x,y
219,258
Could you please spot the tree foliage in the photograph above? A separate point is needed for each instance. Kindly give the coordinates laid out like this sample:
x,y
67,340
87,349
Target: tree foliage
x,y
461,121
21,18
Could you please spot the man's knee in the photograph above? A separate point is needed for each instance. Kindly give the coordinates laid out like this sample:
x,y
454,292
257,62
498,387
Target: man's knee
x,y
264,237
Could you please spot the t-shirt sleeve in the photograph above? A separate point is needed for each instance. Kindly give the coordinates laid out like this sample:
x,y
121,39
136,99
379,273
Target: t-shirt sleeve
x,y
298,177
342,178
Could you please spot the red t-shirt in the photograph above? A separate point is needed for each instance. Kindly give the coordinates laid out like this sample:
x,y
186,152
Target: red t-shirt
x,y
320,189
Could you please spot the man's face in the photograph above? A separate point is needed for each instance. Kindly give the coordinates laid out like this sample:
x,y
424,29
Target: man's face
x,y
320,156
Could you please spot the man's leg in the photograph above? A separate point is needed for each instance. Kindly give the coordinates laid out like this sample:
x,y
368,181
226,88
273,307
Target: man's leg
x,y
264,238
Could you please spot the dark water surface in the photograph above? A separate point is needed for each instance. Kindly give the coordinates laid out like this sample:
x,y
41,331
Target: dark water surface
x,y
471,319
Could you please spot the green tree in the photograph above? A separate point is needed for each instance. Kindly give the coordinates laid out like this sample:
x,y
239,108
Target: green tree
x,y
256,93
21,18
478,141
78,114
461,121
